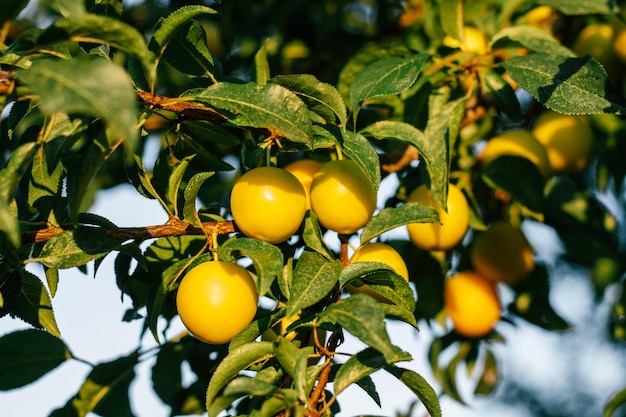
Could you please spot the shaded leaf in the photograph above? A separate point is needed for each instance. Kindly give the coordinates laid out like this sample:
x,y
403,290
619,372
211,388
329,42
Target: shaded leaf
x,y
313,236
33,304
189,52
489,378
581,7
361,365
361,151
532,38
27,355
615,401
420,387
237,360
503,93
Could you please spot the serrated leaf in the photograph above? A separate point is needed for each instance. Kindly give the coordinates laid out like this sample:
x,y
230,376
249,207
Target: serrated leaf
x,y
503,93
386,76
320,97
189,52
503,174
361,151
400,132
313,279
166,28
389,284
77,247
105,390
97,29
364,318
268,260
420,387
45,179
15,167
361,365
209,133
236,361
190,214
27,355
33,304
441,132
531,38
313,236
567,85
97,88
392,217
268,106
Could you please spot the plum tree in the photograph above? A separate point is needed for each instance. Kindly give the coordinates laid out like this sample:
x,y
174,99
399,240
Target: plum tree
x,y
427,122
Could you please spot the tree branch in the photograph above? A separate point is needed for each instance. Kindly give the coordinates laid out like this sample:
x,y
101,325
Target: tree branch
x,y
175,227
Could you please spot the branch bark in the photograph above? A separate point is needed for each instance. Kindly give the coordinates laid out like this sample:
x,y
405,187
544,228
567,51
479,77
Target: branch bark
x,y
175,227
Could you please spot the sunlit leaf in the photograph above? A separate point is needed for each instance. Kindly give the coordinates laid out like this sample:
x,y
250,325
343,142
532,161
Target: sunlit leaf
x,y
313,279
96,87
567,85
268,106
392,217
33,304
361,151
532,38
420,387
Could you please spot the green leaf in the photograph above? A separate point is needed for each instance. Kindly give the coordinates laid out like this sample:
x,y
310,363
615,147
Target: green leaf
x,y
189,52
531,38
451,17
313,279
503,93
267,259
97,29
361,151
237,360
313,236
244,385
77,247
167,373
261,65
441,132
400,132
618,399
582,7
361,365
387,76
97,87
268,106
567,85
27,355
105,391
190,214
16,167
503,174
175,180
287,355
33,304
489,378
392,217
363,317
320,97
385,282
420,387
209,133
166,28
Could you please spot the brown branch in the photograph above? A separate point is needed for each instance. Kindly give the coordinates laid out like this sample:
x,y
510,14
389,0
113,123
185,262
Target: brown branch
x,y
185,109
173,228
